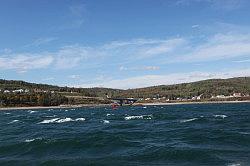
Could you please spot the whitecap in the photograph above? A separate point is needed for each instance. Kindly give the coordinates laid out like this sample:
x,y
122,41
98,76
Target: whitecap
x,y
138,117
234,164
29,140
50,116
49,121
14,121
109,114
80,119
220,116
7,113
64,120
66,110
244,133
105,121
58,120
188,120
144,107
31,112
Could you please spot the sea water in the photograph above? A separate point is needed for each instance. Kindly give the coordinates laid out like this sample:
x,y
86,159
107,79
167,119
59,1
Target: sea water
x,y
193,134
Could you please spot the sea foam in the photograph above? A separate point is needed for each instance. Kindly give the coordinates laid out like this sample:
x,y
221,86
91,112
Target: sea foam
x,y
80,119
188,120
105,121
138,117
31,112
220,116
64,120
13,121
29,140
58,120
49,121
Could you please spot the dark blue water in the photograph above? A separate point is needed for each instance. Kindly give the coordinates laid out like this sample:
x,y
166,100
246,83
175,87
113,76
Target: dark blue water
x,y
205,134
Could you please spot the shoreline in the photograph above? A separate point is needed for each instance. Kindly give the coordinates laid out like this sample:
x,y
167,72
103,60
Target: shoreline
x,y
52,107
198,102
103,105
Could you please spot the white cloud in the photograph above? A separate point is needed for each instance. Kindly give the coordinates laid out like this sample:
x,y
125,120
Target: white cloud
x,y
41,41
48,79
78,12
242,61
24,62
195,26
139,68
152,80
6,51
161,48
226,5
71,56
75,76
127,53
220,46
136,42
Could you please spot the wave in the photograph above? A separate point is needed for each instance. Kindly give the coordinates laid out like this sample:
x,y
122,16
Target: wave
x,y
64,120
50,116
244,133
7,113
220,116
188,120
49,121
105,121
58,120
109,114
13,121
138,117
80,119
236,164
31,112
29,140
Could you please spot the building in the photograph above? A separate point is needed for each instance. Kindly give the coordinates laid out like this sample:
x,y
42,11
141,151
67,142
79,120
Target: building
x,y
18,91
6,91
237,95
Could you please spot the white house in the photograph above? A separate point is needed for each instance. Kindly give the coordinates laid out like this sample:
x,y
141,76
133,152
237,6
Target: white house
x,y
6,91
237,95
18,91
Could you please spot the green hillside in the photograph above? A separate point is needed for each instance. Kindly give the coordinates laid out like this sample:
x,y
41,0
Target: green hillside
x,y
187,90
47,95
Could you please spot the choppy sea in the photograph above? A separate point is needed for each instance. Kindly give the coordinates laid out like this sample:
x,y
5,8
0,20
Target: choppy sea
x,y
193,134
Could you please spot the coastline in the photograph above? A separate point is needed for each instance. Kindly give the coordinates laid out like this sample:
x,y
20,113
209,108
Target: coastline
x,y
52,107
198,102
103,105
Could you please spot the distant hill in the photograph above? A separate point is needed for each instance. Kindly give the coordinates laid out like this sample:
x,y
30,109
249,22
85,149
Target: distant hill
x,y
187,90
47,95
91,92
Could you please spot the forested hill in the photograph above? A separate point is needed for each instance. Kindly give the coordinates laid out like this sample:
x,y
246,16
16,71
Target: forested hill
x,y
207,88
33,87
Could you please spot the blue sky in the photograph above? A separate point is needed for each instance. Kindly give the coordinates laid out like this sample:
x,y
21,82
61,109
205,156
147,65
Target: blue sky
x,y
123,44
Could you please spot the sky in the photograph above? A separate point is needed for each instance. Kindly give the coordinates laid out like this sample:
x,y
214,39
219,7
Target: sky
x,y
123,43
